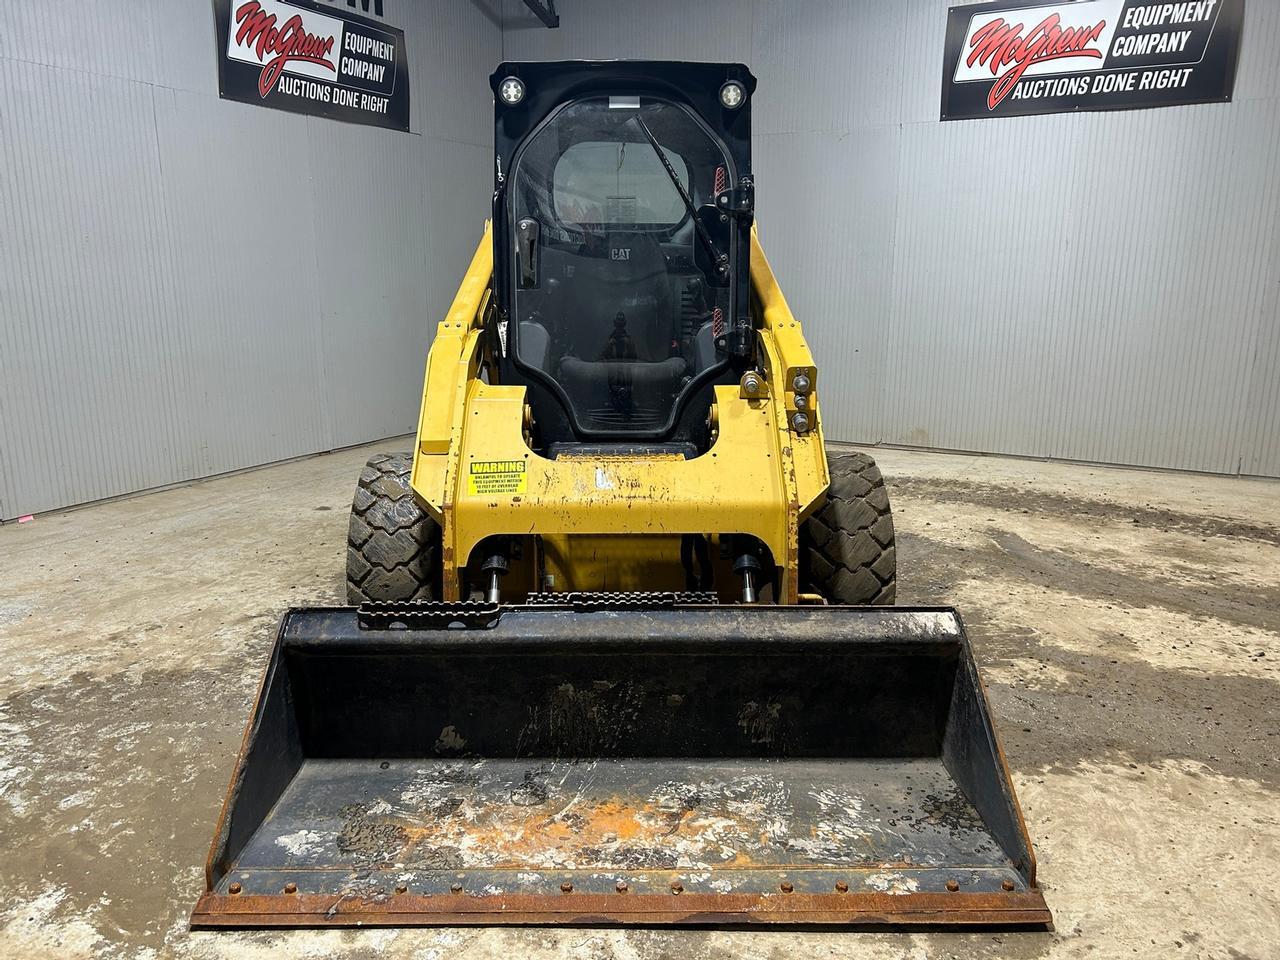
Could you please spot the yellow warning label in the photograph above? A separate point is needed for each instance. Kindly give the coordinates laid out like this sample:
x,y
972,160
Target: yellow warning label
x,y
497,477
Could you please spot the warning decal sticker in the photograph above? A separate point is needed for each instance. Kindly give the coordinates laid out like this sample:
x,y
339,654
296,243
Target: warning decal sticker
x,y
497,476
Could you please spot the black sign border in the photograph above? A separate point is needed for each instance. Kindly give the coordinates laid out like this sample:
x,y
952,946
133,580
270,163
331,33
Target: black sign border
x,y
309,108
958,27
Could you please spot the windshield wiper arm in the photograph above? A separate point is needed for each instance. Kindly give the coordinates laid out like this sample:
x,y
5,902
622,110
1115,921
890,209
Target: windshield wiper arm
x,y
719,259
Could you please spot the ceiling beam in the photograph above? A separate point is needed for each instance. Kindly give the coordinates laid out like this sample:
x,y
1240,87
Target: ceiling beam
x,y
544,10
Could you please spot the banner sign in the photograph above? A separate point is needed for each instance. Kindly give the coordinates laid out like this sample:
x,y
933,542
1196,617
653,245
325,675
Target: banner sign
x,y
311,58
1019,57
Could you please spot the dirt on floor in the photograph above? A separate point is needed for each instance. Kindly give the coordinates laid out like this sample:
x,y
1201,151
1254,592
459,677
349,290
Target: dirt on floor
x,y
1127,624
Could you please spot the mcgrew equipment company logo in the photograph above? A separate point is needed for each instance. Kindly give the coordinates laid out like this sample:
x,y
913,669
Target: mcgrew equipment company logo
x,y
1006,58
261,38
999,44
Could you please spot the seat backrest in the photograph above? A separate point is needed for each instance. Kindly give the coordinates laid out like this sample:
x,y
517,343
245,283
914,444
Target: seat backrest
x,y
619,272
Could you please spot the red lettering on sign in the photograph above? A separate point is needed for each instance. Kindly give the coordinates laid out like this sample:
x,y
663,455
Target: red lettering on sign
x,y
1003,45
282,45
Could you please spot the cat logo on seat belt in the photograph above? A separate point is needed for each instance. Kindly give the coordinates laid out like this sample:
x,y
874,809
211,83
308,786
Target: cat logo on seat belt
x,y
620,253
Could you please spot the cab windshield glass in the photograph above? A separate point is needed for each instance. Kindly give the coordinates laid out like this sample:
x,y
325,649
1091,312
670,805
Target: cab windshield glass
x,y
615,295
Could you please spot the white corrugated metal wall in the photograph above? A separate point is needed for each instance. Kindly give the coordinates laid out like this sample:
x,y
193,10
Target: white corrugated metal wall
x,y
189,285
1118,303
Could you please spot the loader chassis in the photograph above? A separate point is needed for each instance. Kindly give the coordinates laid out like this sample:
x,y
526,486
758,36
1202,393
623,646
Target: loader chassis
x,y
759,477
618,374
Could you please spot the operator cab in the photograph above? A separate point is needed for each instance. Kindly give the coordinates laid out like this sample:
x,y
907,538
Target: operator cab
x,y
622,247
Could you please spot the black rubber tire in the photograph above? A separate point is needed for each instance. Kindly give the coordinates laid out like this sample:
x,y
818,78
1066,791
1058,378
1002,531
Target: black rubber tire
x,y
846,548
393,545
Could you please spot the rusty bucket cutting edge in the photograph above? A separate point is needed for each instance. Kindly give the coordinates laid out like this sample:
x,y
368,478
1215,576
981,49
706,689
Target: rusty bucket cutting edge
x,y
697,765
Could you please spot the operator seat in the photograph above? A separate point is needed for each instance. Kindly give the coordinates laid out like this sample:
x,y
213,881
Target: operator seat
x,y
621,272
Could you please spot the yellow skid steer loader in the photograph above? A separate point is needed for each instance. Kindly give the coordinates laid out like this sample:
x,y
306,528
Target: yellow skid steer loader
x,y
621,646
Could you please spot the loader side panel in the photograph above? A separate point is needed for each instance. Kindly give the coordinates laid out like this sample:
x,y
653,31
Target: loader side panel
x,y
271,757
972,756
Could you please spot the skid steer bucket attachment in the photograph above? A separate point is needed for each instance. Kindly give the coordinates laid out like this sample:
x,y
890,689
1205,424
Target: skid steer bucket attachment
x,y
620,763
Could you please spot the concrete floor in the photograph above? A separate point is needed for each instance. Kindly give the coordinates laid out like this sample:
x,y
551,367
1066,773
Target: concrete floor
x,y
1128,625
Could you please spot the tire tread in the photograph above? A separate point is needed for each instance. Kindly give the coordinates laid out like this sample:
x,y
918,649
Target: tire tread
x,y
847,551
393,545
